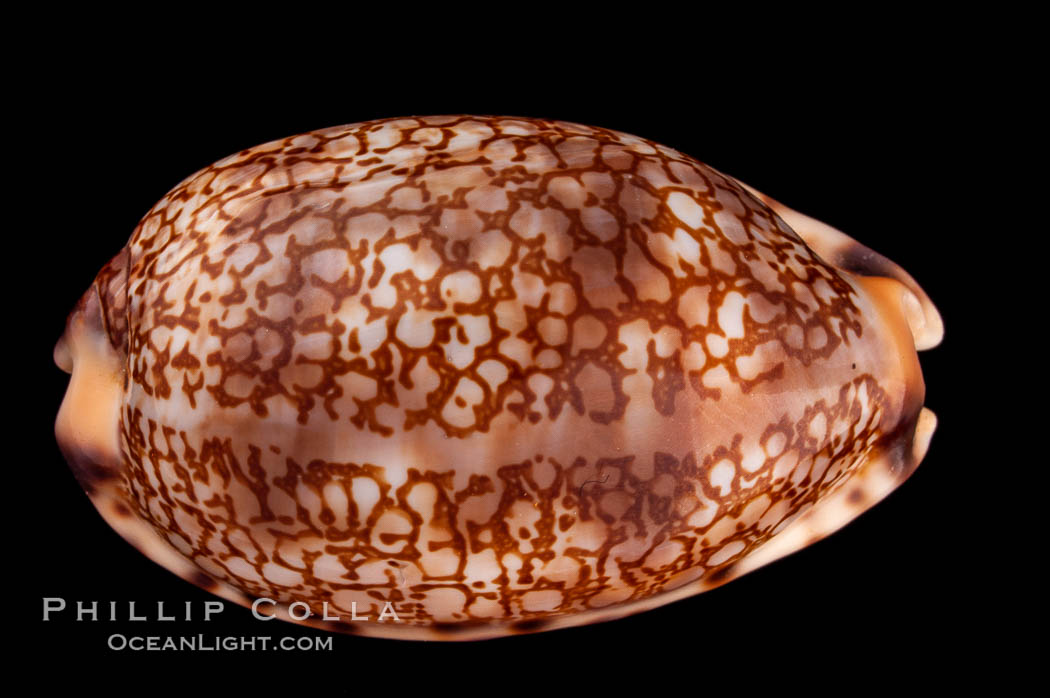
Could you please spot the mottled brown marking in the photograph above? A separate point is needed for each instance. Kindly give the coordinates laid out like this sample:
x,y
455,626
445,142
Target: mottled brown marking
x,y
488,281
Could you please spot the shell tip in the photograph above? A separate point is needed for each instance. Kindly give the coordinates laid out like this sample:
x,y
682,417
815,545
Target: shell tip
x,y
924,428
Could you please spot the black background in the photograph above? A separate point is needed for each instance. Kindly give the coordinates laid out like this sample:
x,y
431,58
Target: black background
x,y
879,143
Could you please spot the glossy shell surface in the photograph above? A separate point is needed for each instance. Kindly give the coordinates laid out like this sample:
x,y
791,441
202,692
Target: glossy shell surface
x,y
502,374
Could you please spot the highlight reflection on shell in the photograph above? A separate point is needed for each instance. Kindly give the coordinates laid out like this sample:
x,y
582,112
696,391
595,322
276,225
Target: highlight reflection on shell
x,y
505,374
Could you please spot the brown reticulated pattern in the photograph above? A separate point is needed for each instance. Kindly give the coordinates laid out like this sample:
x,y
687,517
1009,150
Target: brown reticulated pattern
x,y
447,272
662,239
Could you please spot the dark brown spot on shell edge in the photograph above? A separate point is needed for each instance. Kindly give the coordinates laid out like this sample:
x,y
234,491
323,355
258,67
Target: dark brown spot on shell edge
x,y
456,628
203,581
529,625
721,575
